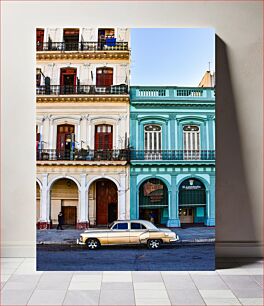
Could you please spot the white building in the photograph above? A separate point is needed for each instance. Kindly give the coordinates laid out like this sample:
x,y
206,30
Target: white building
x,y
82,125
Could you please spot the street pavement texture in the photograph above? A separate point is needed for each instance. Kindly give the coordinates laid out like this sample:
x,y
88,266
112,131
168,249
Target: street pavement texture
x,y
69,236
176,257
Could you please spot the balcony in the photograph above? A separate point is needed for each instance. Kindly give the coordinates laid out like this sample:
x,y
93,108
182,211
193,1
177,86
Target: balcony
x,y
82,155
170,95
82,46
57,90
172,155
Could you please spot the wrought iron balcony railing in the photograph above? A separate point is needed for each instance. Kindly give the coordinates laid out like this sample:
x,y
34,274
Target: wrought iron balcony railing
x,y
82,46
83,155
177,155
81,90
125,155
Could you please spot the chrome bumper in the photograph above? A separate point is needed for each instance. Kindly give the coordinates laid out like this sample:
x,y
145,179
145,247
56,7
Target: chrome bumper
x,y
175,239
80,242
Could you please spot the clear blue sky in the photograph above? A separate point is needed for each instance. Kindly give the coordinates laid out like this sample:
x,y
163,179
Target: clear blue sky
x,y
169,56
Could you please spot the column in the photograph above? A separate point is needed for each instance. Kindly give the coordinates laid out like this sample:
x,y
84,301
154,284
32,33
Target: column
x,y
122,198
173,220
203,136
210,203
164,145
172,132
133,196
179,140
51,145
46,133
83,135
83,221
210,133
118,134
89,132
44,221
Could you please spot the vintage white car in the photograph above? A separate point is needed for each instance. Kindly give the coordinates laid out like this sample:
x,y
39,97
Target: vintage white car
x,y
127,232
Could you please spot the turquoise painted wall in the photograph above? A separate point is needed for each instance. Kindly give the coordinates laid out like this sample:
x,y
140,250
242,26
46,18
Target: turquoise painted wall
x,y
172,108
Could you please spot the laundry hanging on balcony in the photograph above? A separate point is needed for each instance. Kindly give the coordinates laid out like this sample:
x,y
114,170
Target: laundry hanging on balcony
x,y
110,41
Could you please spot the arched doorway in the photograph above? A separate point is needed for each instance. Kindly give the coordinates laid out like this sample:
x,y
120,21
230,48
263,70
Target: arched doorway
x,y
65,142
37,202
153,201
64,197
103,202
192,201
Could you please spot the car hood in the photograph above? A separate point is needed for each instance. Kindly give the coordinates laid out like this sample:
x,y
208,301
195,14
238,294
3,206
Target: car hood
x,y
164,230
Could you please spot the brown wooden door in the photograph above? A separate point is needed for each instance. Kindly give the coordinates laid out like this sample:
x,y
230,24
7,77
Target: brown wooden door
x,y
103,137
104,77
65,135
40,39
71,39
106,195
69,215
68,78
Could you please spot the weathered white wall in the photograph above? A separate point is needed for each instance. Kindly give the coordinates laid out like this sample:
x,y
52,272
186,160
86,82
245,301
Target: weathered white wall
x,y
239,42
84,117
85,34
84,69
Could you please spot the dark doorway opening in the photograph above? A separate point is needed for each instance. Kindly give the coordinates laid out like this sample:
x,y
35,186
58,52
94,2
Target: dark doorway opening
x,y
65,142
69,215
68,78
106,202
71,39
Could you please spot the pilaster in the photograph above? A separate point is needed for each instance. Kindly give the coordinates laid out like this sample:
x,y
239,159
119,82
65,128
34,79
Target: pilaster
x,y
83,221
173,220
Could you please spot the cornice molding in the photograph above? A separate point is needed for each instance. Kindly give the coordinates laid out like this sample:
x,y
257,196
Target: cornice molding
x,y
82,99
51,56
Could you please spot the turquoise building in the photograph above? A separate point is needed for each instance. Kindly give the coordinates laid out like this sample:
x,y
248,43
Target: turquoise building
x,y
172,157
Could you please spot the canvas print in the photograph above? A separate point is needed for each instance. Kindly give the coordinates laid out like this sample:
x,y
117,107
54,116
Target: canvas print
x,y
125,149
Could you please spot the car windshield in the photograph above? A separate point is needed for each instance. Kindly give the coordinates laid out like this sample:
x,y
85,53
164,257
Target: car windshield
x,y
111,224
150,225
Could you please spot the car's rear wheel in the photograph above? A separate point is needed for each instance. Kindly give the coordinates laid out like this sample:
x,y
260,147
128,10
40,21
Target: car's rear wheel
x,y
93,244
154,244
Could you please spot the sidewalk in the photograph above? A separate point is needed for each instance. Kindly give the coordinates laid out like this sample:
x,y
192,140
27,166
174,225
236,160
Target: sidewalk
x,y
69,236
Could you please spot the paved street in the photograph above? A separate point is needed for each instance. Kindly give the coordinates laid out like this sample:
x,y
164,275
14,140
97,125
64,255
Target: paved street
x,y
175,257
69,236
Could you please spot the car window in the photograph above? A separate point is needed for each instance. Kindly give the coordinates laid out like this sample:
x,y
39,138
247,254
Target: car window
x,y
135,225
122,226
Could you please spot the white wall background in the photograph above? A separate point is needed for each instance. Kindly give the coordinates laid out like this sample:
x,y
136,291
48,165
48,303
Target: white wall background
x,y
239,107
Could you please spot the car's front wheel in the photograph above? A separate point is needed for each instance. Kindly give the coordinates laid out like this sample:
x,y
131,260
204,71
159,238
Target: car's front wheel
x,y
154,244
93,244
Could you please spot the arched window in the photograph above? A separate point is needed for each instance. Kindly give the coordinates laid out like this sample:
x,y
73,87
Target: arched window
x,y
191,141
152,141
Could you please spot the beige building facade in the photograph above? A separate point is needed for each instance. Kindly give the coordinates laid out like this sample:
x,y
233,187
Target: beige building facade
x,y
82,126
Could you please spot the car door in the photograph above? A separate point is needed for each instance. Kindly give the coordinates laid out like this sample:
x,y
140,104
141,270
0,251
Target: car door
x,y
119,234
136,229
